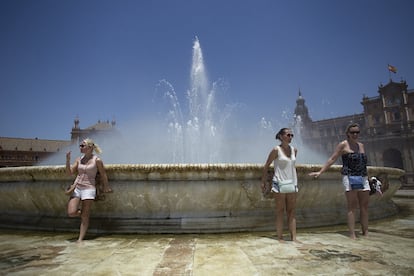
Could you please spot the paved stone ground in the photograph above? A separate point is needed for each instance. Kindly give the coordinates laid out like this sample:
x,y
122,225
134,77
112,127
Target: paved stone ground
x,y
388,250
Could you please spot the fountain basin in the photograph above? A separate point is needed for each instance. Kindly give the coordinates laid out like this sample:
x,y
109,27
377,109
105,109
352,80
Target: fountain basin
x,y
179,198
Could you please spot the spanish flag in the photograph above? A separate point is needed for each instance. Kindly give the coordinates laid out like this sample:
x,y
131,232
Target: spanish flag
x,y
392,68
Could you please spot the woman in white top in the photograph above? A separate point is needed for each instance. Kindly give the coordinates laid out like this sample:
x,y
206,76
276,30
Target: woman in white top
x,y
285,184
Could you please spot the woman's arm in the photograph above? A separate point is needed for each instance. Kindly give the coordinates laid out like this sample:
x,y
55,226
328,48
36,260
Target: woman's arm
x,y
272,156
338,151
361,148
104,177
70,169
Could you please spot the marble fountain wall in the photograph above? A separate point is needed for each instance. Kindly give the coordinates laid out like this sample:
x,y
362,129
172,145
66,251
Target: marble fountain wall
x,y
182,198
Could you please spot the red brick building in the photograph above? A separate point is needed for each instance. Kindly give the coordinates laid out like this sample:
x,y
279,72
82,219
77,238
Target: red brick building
x,y
28,152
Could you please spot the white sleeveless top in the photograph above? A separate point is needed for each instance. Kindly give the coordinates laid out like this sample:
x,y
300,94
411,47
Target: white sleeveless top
x,y
285,167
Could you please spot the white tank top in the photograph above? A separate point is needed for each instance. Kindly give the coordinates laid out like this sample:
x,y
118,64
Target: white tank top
x,y
285,166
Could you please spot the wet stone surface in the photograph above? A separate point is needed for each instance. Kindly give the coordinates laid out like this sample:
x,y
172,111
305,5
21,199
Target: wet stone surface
x,y
14,260
388,250
329,254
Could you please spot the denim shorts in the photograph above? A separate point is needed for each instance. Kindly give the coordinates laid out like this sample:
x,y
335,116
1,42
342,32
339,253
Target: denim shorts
x,y
347,187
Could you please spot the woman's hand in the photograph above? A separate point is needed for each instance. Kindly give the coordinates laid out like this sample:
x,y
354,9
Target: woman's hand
x,y
315,174
107,189
70,189
68,168
68,156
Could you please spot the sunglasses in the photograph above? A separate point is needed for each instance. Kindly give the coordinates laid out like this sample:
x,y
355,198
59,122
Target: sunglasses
x,y
82,145
289,135
354,132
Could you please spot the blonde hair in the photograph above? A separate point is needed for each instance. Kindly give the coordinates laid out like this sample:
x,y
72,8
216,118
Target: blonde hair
x,y
351,125
90,143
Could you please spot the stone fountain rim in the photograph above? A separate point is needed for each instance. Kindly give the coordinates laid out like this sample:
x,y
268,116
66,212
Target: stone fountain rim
x,y
170,171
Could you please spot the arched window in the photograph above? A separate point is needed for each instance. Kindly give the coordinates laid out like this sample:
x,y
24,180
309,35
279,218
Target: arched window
x,y
395,114
392,158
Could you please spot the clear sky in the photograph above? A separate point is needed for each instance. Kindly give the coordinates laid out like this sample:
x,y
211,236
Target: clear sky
x,y
102,60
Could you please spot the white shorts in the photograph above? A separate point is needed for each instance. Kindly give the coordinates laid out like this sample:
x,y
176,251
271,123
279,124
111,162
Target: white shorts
x,y
345,182
84,194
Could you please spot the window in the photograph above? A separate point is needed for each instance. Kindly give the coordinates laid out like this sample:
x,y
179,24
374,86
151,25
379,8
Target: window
x,y
395,114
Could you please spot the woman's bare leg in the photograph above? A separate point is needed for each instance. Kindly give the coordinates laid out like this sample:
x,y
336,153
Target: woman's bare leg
x,y
352,202
291,214
73,207
363,199
280,210
86,208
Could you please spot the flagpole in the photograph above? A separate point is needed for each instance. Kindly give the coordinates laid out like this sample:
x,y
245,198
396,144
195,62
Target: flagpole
x,y
389,72
393,69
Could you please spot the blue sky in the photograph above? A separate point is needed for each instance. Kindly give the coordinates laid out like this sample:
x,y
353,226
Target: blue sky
x,y
102,60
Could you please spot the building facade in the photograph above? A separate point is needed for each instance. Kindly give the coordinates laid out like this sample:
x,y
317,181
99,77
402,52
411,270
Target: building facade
x,y
16,152
386,128
101,128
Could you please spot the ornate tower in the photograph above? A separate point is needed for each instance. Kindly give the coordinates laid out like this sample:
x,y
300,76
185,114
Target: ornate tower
x,y
301,112
75,133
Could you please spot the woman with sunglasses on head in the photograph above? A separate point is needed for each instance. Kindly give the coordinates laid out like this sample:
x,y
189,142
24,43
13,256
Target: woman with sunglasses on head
x,y
83,189
284,181
354,177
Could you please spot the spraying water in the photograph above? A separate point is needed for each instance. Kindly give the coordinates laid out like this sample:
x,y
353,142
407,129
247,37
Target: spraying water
x,y
195,138
205,132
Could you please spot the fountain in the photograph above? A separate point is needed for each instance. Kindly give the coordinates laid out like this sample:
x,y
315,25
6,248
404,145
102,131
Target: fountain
x,y
183,198
195,192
